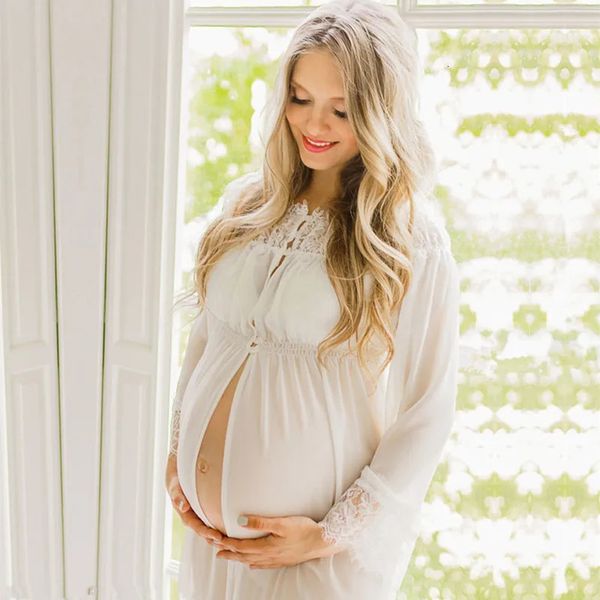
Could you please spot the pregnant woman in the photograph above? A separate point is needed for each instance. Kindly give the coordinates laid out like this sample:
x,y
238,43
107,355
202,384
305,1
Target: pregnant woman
x,y
319,381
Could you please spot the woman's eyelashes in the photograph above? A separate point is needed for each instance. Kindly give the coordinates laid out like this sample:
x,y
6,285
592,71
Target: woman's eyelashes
x,y
339,113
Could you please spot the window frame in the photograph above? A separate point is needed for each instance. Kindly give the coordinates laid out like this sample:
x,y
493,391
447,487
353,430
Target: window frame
x,y
437,17
420,17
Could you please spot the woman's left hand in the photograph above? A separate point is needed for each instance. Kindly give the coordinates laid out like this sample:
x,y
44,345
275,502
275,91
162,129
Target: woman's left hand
x,y
292,540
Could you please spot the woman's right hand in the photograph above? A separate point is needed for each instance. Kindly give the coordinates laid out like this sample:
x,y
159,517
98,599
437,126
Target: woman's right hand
x,y
182,506
178,499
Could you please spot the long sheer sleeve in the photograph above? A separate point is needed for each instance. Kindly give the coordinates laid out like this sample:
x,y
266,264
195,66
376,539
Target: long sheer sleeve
x,y
198,334
193,352
377,517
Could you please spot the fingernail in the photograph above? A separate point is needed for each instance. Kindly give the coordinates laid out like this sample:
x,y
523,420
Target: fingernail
x,y
181,504
242,520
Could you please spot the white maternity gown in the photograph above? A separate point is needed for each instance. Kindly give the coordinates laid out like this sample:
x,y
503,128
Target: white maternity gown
x,y
304,440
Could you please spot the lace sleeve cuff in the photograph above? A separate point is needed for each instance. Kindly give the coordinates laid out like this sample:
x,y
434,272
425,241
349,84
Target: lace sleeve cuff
x,y
195,348
374,525
175,430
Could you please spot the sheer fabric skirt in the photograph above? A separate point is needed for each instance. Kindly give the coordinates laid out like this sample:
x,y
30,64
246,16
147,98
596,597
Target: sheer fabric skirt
x,y
203,576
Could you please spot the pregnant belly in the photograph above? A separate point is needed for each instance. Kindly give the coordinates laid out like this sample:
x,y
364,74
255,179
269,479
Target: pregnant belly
x,y
265,450
209,461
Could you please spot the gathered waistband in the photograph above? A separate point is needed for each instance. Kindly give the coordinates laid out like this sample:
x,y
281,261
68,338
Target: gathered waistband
x,y
255,343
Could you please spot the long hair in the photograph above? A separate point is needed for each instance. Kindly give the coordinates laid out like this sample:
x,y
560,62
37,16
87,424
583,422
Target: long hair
x,y
377,56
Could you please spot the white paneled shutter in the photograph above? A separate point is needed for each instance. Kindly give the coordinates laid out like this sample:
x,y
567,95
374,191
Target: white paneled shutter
x,y
89,147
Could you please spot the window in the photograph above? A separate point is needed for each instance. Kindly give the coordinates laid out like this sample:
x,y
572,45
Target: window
x,y
513,114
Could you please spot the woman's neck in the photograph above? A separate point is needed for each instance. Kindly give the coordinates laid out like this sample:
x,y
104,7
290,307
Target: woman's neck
x,y
320,192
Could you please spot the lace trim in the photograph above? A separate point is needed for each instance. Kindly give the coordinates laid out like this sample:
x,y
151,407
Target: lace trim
x,y
310,238
175,423
374,525
352,511
429,232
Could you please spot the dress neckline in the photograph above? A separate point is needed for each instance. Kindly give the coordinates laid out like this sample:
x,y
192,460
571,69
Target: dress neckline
x,y
317,213
308,239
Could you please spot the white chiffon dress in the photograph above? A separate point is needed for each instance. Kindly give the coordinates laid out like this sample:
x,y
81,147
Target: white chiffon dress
x,y
306,440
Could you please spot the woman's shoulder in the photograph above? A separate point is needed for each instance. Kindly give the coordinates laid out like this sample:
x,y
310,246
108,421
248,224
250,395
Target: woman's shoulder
x,y
429,229
236,187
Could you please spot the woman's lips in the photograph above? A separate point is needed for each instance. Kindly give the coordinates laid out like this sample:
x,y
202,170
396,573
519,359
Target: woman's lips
x,y
312,148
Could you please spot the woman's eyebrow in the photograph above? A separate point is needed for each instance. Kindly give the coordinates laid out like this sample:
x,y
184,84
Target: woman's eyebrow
x,y
297,84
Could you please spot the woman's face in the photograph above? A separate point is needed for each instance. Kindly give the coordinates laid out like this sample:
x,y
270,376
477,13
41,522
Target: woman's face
x,y
316,109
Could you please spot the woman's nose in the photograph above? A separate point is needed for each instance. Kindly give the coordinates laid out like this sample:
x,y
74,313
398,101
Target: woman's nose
x,y
316,126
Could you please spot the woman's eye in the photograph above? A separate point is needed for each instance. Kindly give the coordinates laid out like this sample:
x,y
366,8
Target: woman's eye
x,y
339,113
298,100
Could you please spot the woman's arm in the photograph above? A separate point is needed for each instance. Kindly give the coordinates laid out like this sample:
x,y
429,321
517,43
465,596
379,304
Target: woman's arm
x,y
377,517
195,347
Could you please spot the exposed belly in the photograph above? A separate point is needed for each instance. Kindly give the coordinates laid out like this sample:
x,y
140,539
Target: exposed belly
x,y
264,455
209,462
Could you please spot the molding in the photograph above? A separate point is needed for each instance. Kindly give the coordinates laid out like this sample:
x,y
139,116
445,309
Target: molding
x,y
503,17
434,17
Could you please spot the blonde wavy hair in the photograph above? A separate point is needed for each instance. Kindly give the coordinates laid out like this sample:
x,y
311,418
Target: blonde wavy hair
x,y
377,55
